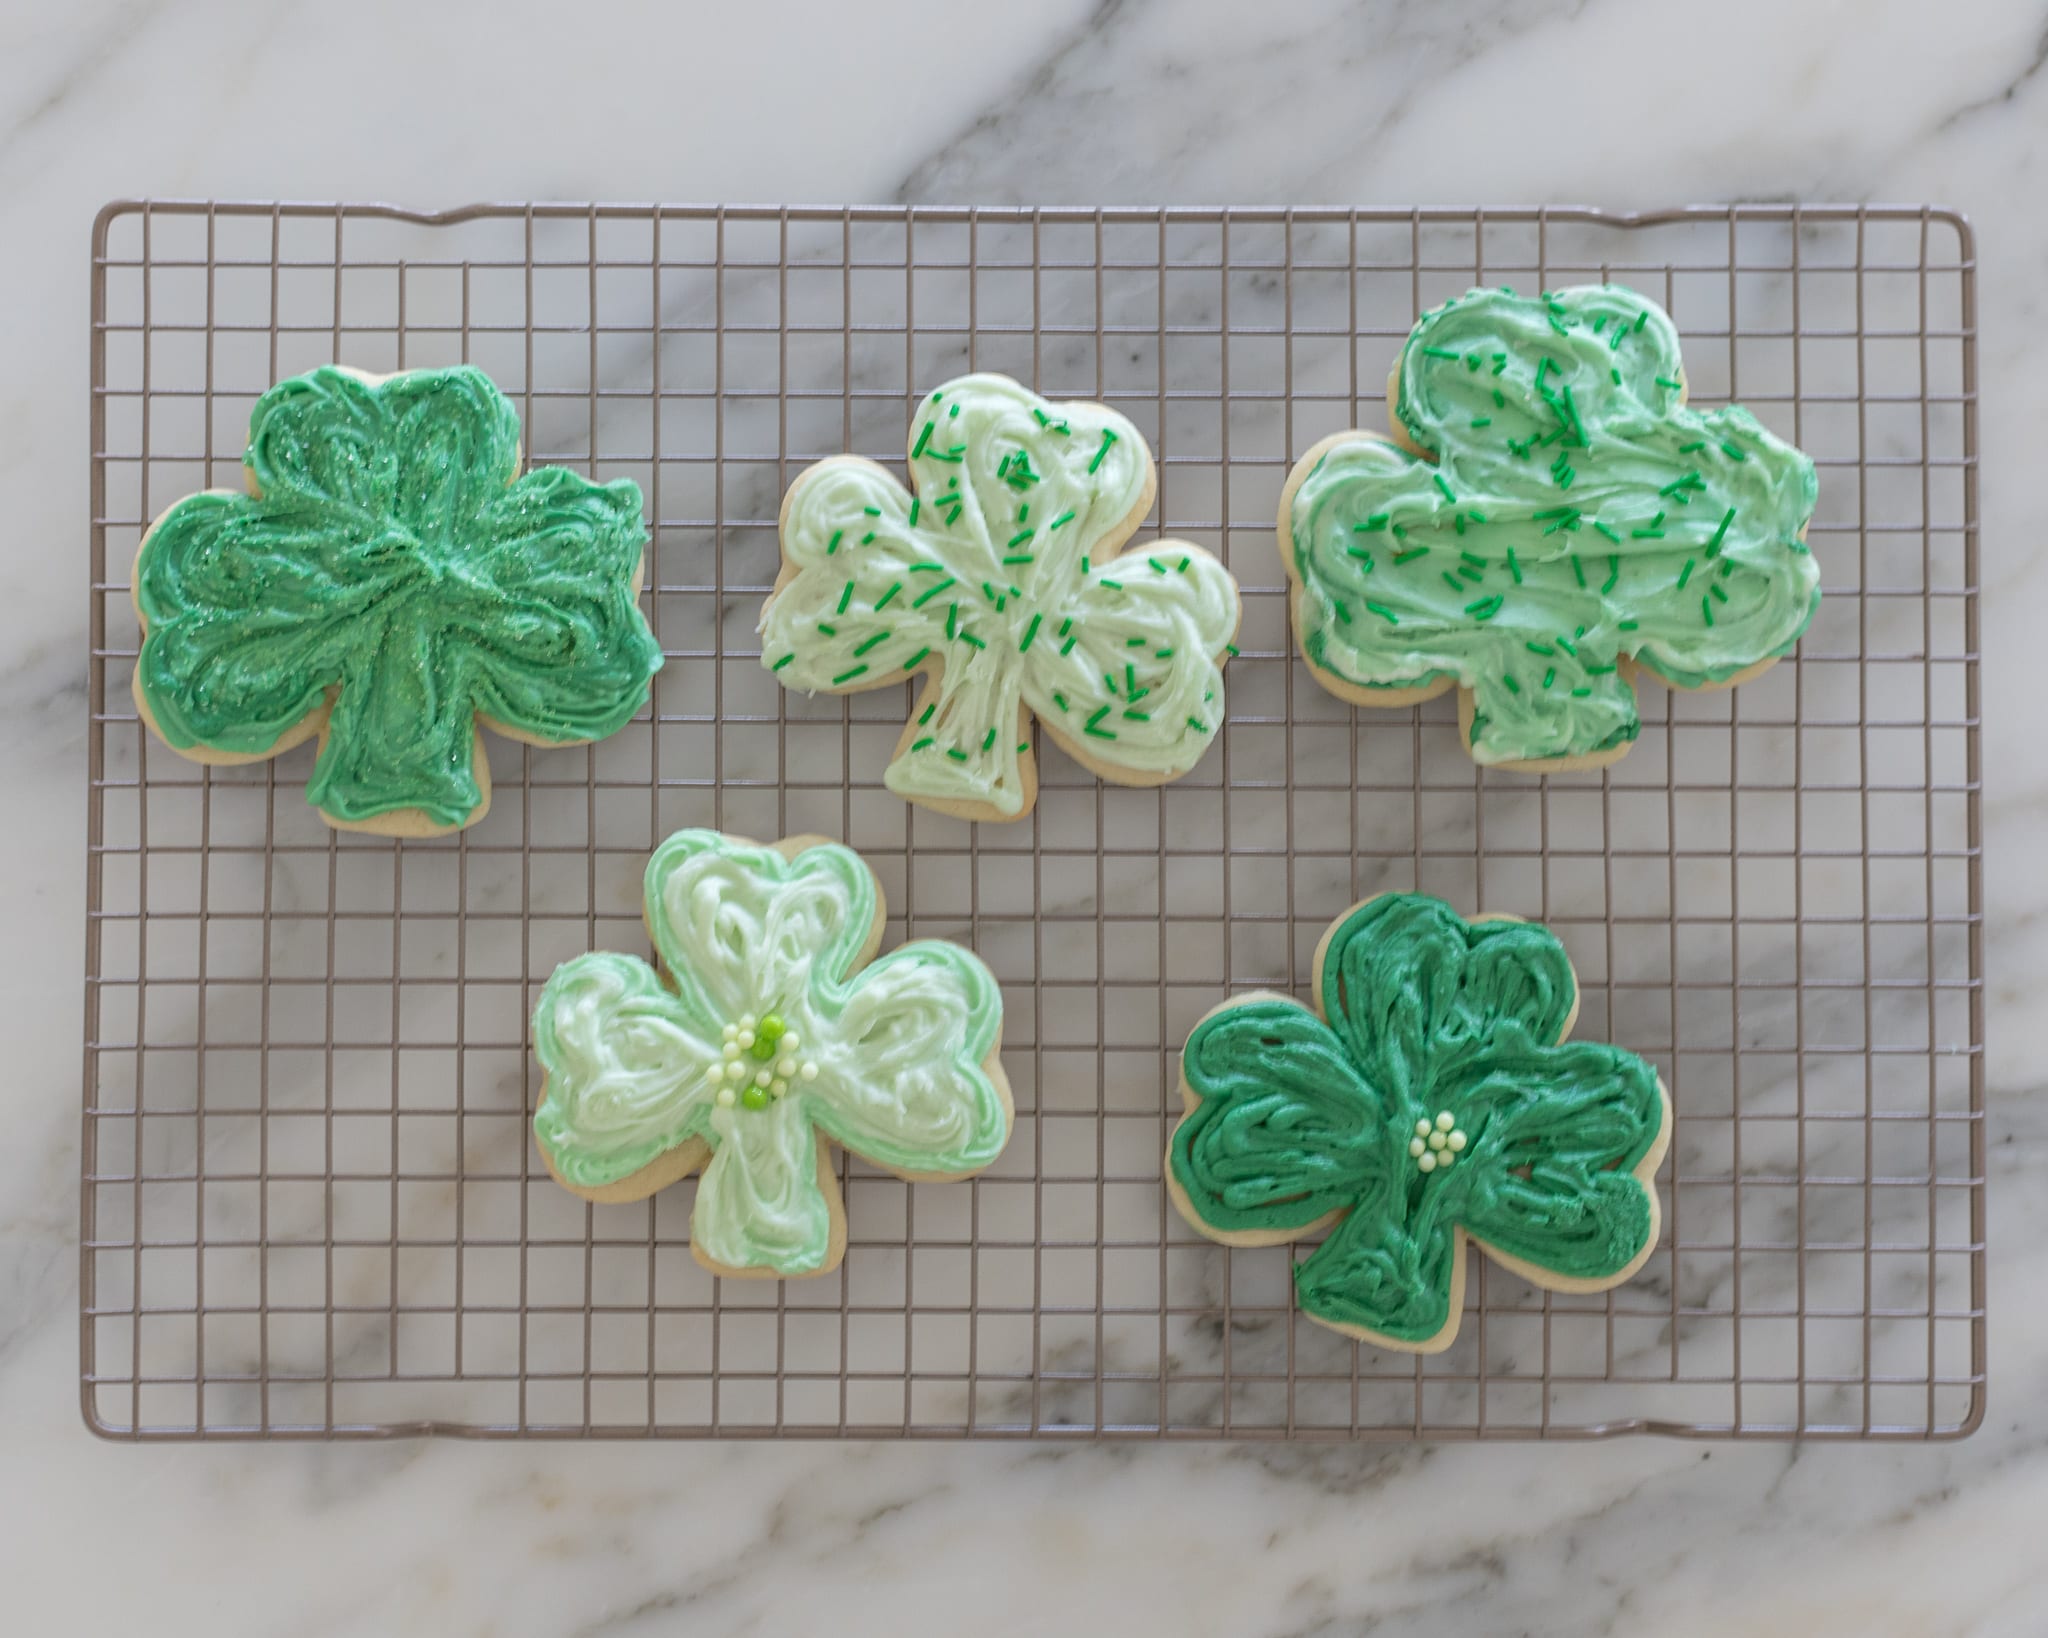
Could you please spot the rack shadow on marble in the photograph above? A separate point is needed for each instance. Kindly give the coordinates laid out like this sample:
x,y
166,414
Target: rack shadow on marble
x,y
310,1205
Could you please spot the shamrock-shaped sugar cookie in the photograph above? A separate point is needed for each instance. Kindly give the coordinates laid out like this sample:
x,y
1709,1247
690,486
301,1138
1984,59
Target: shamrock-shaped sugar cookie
x,y
1557,521
1000,579
391,584
1430,1098
770,1030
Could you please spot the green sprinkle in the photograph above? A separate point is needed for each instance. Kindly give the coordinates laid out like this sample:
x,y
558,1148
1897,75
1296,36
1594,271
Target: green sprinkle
x,y
1162,654
925,716
1361,554
1500,362
922,744
868,539
1598,670
1514,568
1091,728
846,676
1687,449
953,517
1539,648
1680,489
1642,319
1476,562
989,744
1108,438
991,593
883,601
1019,538
1459,520
1719,595
927,568
1230,649
1384,613
1626,625
1019,557
1182,566
1030,632
1479,421
1666,381
955,410
1599,322
913,662
1064,517
1499,398
1582,693
1653,530
915,503
1707,610
1137,716
1613,572
1376,522
952,614
1060,700
1344,613
1473,361
969,637
1565,643
1615,372
927,595
1439,352
1023,745
1572,410
1685,574
1735,452
1444,487
1609,533
779,664
1453,581
1513,687
1113,585
1714,545
1134,642
845,598
1157,566
1550,676
829,631
1486,608
923,438
1578,571
872,511
1084,564
1198,725
1553,512
832,545
1410,555
879,637
1131,680
956,753
1067,647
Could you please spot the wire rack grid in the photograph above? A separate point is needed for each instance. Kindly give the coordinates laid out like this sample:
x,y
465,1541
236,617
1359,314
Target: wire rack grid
x,y
311,1206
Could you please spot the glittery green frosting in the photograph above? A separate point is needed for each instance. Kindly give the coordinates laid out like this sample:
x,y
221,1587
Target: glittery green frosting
x,y
391,560
1300,1120
1572,514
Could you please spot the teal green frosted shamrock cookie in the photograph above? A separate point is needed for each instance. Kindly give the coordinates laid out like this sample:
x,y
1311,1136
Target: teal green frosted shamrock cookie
x,y
769,1032
391,583
1001,576
1430,1097
1553,521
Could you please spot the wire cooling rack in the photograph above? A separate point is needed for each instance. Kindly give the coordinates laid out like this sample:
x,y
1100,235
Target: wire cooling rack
x,y
311,1203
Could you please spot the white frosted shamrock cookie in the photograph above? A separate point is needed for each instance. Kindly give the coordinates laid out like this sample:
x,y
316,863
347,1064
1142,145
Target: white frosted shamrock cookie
x,y
1552,522
770,1031
393,584
998,575
1429,1098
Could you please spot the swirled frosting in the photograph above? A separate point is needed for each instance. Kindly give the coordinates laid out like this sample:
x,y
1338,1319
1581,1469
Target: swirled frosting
x,y
887,1058
392,563
1568,515
1437,1100
999,578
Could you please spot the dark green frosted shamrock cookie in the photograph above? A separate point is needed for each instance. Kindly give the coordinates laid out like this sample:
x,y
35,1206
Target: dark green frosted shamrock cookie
x,y
1552,521
391,583
1430,1097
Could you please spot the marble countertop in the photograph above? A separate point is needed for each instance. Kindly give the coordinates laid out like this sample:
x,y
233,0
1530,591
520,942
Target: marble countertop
x,y
1387,103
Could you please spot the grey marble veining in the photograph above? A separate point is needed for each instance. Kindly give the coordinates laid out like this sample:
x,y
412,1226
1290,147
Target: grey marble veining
x,y
1131,101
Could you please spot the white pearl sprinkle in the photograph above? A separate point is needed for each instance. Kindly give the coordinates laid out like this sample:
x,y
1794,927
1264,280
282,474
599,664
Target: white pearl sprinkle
x,y
778,1086
1428,1161
809,1072
1444,1122
1415,1146
791,1040
748,1020
1422,1128
725,1097
732,1049
715,1074
735,1072
786,1068
732,1032
1436,1140
746,1039
763,1078
1444,1160
1457,1141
